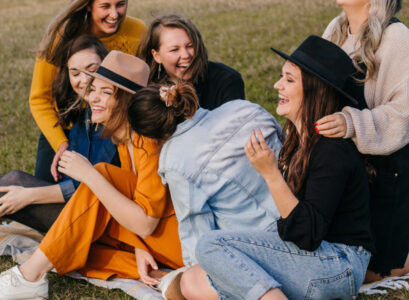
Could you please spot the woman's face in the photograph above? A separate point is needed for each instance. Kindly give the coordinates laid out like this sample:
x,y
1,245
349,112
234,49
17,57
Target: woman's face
x,y
102,100
175,53
86,59
290,92
106,16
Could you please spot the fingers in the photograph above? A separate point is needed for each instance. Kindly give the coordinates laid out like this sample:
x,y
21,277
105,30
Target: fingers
x,y
254,142
54,165
5,189
143,272
263,143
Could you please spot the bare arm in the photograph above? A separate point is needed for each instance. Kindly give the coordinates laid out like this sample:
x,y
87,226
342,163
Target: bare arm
x,y
124,210
18,197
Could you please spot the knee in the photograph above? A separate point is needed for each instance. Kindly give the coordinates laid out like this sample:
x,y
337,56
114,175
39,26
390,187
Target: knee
x,y
14,177
193,283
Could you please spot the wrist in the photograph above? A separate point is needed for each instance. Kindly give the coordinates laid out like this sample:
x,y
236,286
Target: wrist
x,y
91,176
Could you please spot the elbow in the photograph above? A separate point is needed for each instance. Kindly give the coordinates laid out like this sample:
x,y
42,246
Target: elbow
x,y
149,227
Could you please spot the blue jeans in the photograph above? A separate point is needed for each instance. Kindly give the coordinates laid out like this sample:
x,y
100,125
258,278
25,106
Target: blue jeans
x,y
245,265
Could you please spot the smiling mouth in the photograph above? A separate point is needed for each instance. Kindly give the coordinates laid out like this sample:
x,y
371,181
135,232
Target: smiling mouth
x,y
282,100
97,109
111,22
183,66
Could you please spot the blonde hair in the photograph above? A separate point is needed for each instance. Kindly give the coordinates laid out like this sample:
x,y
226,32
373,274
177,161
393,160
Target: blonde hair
x,y
370,34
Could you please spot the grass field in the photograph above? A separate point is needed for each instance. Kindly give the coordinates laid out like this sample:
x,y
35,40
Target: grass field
x,y
236,32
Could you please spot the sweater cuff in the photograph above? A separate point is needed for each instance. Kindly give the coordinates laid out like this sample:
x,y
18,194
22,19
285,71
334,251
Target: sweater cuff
x,y
350,128
67,189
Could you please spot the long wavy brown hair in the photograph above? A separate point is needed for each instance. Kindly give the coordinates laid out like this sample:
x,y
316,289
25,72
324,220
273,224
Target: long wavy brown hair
x,y
319,100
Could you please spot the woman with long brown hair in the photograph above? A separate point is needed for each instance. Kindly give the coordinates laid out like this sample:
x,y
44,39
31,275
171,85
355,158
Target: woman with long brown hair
x,y
36,202
174,49
321,244
107,20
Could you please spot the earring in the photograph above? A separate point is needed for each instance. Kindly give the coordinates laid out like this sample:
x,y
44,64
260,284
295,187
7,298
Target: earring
x,y
159,71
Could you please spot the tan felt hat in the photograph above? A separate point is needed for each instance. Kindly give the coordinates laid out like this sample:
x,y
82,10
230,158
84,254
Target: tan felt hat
x,y
125,71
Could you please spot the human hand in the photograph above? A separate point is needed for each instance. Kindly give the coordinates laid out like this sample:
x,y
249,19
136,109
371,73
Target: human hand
x,y
16,198
145,263
54,172
260,155
332,126
75,166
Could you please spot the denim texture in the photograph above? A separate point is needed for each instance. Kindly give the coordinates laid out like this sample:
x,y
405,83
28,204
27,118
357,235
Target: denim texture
x,y
259,261
86,140
212,183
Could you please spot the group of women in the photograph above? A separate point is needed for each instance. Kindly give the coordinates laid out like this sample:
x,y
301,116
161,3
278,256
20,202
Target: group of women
x,y
149,158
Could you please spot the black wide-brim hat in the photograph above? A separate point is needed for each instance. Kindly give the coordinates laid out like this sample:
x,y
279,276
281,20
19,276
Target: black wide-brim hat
x,y
326,61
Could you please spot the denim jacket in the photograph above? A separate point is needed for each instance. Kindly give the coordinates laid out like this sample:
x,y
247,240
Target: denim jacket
x,y
212,183
84,139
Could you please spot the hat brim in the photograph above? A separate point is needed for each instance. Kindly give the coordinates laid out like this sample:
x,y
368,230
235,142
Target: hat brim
x,y
99,76
306,68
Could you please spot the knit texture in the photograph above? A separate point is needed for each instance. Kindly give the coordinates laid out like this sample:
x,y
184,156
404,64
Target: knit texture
x,y
41,102
383,128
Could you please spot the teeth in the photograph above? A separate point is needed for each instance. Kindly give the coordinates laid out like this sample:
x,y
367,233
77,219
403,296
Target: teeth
x,y
111,22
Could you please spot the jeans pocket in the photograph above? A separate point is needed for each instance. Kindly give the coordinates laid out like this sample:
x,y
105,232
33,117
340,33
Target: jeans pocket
x,y
341,286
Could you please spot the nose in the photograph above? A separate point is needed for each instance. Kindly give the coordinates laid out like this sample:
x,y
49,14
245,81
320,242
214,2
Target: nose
x,y
278,85
84,78
185,53
92,98
113,13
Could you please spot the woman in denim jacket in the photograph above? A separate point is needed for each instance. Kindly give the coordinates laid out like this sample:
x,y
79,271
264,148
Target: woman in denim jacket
x,y
33,201
202,160
321,245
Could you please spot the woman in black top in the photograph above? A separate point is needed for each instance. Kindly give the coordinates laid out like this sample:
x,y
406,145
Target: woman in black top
x,y
174,50
321,246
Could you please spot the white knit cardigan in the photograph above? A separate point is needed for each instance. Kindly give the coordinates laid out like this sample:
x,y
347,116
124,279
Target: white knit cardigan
x,y
384,127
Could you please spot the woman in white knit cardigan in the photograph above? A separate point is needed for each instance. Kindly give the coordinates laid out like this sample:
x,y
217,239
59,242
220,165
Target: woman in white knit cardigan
x,y
379,45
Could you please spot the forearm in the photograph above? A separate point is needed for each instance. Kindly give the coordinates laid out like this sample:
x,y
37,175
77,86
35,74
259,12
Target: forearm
x,y
283,197
46,194
124,210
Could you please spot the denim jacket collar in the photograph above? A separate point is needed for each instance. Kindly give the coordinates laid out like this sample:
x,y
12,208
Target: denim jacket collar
x,y
189,123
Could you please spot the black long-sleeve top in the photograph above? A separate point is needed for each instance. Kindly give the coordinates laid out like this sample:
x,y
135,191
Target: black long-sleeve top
x,y
221,84
333,201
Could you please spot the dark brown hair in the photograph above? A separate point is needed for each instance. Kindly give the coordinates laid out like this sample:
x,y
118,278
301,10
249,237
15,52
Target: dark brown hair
x,y
151,41
151,116
62,90
319,100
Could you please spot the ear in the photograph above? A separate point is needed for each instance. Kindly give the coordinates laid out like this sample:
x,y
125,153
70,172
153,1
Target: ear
x,y
156,56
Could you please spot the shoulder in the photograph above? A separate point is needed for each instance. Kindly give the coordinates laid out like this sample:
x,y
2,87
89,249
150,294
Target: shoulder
x,y
220,70
335,152
330,28
131,26
395,38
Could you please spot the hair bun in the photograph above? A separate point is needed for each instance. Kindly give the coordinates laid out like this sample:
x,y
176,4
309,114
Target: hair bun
x,y
181,98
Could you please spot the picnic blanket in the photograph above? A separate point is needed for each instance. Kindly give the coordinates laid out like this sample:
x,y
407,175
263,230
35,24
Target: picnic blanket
x,y
20,241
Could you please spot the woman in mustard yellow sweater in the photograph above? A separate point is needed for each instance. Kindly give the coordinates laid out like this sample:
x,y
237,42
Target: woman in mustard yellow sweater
x,y
107,20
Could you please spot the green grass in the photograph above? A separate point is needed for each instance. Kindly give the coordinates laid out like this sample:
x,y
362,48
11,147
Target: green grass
x,y
236,32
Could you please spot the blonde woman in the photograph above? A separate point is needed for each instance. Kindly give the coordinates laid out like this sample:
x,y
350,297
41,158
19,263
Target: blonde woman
x,y
379,45
107,20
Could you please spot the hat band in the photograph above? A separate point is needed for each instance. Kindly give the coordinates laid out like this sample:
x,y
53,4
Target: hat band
x,y
115,77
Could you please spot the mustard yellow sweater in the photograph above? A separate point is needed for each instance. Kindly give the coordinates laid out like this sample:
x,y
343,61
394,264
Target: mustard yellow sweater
x,y
127,39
